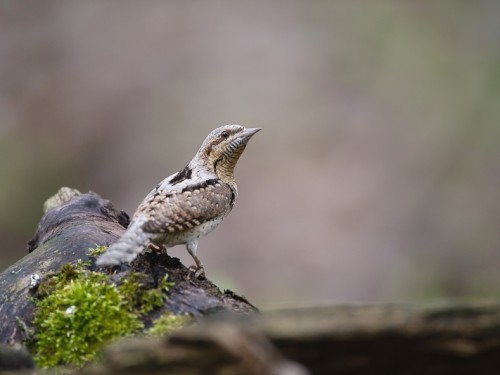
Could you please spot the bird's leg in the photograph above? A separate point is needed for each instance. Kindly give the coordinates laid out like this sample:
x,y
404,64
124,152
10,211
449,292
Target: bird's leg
x,y
191,248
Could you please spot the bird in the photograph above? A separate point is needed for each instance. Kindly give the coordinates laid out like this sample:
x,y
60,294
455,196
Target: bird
x,y
187,205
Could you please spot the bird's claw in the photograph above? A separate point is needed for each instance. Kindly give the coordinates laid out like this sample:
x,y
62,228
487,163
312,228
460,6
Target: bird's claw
x,y
199,271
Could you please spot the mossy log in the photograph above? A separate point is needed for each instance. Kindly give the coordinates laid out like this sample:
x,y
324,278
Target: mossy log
x,y
73,224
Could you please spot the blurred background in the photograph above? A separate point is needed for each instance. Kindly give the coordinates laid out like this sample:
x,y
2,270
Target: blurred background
x,y
376,176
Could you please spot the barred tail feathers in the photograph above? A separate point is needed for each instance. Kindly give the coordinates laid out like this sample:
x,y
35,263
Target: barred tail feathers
x,y
128,247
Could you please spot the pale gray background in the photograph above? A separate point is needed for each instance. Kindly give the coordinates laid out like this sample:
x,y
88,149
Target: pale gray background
x,y
376,175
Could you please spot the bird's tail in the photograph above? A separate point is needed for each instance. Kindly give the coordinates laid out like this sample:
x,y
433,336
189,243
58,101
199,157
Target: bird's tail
x,y
128,247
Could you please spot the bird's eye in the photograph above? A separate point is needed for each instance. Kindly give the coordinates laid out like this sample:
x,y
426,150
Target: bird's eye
x,y
224,134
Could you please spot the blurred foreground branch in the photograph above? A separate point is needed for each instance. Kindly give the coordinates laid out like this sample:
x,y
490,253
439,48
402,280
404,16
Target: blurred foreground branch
x,y
437,338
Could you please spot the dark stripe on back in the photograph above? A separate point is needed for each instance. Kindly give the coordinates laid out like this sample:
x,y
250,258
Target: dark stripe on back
x,y
201,185
184,174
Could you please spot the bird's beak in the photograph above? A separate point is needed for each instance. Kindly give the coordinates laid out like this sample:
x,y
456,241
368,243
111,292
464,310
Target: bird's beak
x,y
248,133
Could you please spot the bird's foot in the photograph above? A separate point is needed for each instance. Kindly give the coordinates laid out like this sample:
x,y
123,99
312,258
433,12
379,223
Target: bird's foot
x,y
199,271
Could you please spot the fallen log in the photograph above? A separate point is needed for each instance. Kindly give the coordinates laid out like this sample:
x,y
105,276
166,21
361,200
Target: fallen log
x,y
73,224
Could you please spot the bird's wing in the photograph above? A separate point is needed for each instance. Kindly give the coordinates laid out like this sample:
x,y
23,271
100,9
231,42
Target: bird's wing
x,y
174,212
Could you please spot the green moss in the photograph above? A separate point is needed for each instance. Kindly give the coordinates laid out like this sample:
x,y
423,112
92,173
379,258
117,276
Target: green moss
x,y
98,250
142,299
54,281
168,323
74,322
79,311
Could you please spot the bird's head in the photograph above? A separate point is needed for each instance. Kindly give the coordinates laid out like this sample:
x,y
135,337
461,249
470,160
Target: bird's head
x,y
223,147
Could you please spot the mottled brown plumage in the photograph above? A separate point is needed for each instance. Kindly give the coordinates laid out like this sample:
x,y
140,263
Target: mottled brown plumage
x,y
176,212
189,204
